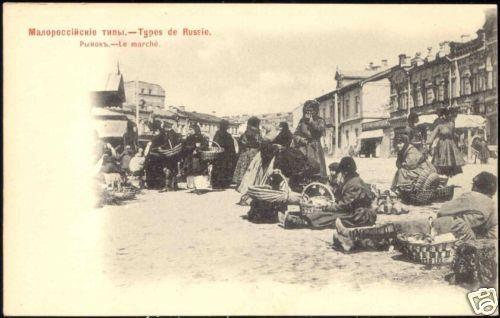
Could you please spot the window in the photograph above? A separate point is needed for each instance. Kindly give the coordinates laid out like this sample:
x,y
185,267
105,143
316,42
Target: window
x,y
346,109
142,90
150,90
356,132
347,137
356,105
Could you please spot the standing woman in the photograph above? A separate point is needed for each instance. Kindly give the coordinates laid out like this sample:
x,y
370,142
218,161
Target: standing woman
x,y
285,136
446,158
307,137
249,146
223,166
195,168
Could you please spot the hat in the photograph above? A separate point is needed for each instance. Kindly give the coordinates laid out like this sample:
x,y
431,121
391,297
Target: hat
x,y
253,121
311,105
401,138
486,183
334,166
347,165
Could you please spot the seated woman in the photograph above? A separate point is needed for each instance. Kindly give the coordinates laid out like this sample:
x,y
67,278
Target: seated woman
x,y
259,169
411,164
354,202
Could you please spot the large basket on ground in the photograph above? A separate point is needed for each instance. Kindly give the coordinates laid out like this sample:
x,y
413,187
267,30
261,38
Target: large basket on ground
x,y
427,253
212,152
309,204
425,197
266,193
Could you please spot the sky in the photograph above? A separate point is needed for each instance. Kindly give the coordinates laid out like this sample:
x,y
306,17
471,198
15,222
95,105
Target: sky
x,y
271,58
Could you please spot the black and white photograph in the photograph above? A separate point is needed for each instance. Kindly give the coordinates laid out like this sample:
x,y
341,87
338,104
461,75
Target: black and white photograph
x,y
250,159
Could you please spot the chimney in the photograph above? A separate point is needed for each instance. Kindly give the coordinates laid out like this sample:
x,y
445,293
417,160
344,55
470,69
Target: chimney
x,y
402,59
417,60
464,38
429,56
384,63
371,65
481,35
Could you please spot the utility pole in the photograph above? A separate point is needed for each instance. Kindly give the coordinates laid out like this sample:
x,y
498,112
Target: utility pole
x,y
137,106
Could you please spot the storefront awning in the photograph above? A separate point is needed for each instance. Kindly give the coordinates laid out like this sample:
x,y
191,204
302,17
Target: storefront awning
x,y
469,121
378,133
461,121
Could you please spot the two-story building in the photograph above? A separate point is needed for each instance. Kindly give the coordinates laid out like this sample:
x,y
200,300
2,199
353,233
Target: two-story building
x,y
361,97
147,96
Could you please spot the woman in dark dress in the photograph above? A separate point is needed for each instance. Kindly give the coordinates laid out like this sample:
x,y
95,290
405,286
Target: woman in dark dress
x,y
223,166
194,165
307,137
249,147
447,159
285,136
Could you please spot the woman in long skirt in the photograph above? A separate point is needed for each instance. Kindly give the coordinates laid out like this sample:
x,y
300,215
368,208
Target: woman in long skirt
x,y
223,166
195,168
307,137
447,159
249,147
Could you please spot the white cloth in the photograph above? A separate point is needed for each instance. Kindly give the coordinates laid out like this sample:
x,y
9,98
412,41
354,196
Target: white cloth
x,y
136,163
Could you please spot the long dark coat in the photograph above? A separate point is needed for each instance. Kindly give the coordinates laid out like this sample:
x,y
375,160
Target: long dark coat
x,y
307,138
193,164
223,166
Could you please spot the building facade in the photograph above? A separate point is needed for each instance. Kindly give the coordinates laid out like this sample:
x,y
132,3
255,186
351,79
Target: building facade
x,y
148,96
462,76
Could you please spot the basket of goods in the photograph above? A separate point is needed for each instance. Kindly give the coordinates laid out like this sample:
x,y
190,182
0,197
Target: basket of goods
x,y
315,197
126,193
213,151
428,249
169,152
475,263
275,189
444,194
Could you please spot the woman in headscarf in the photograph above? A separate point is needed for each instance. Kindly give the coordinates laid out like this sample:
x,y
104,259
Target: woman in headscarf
x,y
410,162
249,146
223,166
195,168
353,201
259,169
446,158
414,134
285,136
307,137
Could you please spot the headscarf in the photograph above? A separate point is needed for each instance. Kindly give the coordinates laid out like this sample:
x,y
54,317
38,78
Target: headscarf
x,y
224,125
347,165
196,128
486,183
253,122
311,105
284,126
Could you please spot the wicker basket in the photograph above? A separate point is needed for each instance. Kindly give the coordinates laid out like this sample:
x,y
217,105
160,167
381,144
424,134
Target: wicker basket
x,y
427,196
212,153
265,193
170,152
427,253
306,206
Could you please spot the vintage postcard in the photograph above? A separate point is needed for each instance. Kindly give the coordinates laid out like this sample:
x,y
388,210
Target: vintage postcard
x,y
250,159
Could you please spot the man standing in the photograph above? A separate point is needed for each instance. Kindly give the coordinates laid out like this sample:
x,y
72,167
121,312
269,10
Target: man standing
x,y
172,139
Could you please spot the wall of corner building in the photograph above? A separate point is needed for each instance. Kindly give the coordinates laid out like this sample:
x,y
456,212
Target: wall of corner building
x,y
375,99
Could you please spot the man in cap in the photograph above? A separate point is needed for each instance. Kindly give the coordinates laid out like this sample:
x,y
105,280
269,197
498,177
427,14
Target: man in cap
x,y
473,214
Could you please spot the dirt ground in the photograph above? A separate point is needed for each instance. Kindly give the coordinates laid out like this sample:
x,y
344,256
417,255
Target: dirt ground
x,y
200,239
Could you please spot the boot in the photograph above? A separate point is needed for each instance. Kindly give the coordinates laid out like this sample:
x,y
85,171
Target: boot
x,y
341,242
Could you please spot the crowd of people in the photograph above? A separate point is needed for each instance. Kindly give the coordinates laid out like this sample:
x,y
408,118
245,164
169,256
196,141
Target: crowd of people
x,y
262,151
